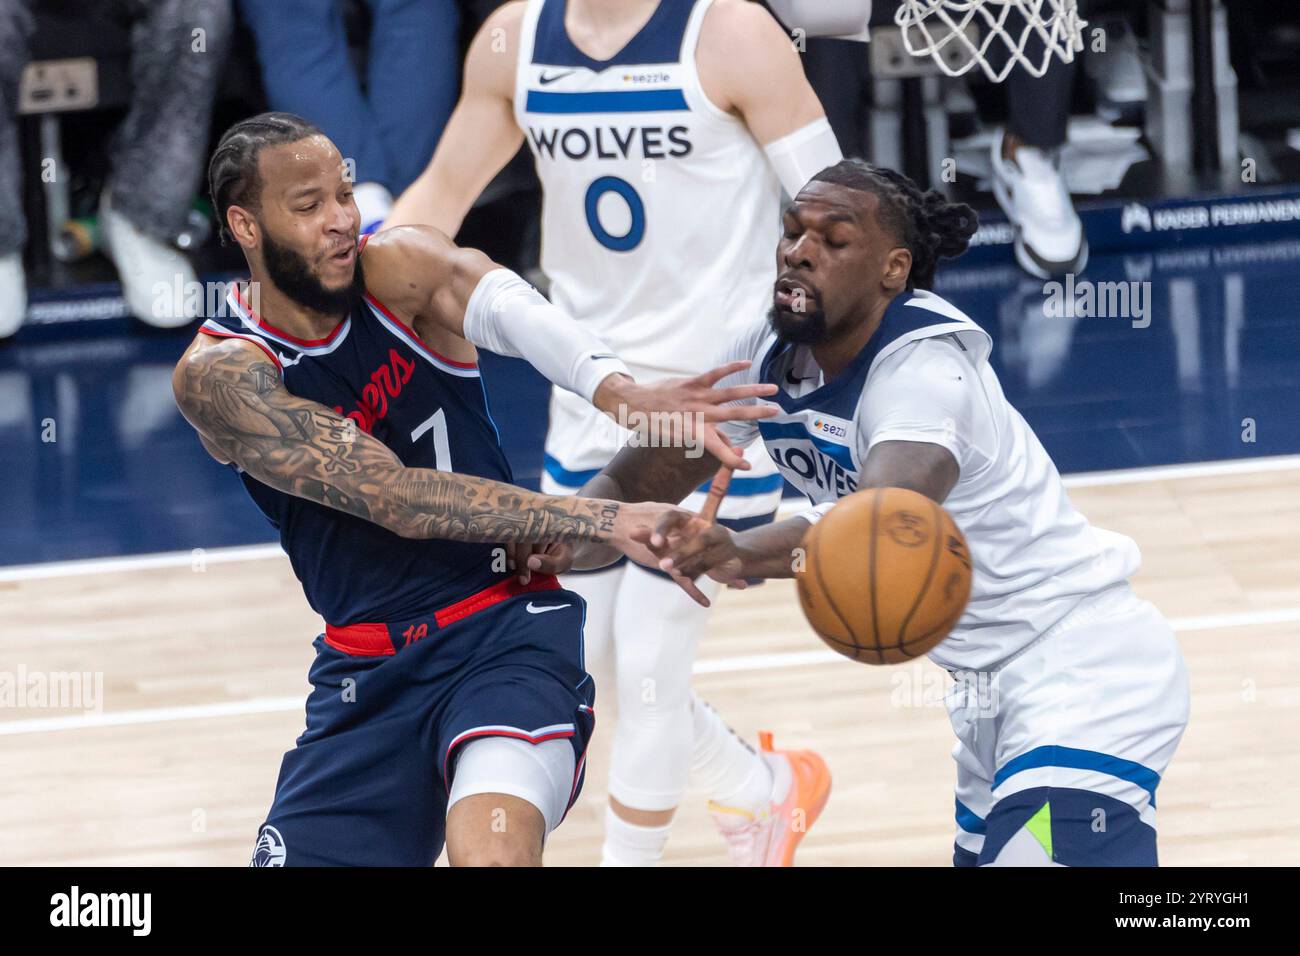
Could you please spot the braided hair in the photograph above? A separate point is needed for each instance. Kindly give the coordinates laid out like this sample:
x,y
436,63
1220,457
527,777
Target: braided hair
x,y
232,171
925,223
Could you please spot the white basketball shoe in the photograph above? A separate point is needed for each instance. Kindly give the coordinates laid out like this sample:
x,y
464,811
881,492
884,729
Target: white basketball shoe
x,y
1031,191
151,272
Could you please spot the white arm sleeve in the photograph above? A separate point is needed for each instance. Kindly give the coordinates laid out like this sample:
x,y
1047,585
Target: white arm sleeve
x,y
797,157
508,316
925,392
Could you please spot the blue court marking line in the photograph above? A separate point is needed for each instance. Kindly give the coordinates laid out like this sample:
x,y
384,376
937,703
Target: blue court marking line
x,y
607,101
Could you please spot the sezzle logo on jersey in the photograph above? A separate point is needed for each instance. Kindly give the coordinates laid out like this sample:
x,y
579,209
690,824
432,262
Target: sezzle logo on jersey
x,y
814,452
654,76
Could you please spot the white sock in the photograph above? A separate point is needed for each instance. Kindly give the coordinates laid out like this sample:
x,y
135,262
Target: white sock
x,y
627,844
731,771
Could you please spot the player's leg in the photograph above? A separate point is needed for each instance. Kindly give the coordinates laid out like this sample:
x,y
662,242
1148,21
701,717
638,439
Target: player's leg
x,y
972,710
507,795
599,589
1088,722
513,734
359,789
656,628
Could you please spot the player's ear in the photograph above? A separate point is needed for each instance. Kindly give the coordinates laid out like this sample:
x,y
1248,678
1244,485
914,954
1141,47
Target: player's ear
x,y
898,266
243,227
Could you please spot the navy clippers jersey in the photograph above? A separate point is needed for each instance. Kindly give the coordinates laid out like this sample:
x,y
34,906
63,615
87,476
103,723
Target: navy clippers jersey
x,y
432,412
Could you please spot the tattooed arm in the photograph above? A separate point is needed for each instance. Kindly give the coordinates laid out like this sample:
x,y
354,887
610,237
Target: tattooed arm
x,y
235,399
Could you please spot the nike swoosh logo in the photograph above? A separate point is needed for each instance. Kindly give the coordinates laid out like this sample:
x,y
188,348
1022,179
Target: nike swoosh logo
x,y
534,609
789,377
547,80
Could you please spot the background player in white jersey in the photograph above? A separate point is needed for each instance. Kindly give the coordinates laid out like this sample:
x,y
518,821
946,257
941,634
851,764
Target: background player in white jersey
x,y
882,383
663,132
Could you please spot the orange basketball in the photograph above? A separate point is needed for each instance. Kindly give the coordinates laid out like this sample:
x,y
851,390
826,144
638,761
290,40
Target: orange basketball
x,y
886,575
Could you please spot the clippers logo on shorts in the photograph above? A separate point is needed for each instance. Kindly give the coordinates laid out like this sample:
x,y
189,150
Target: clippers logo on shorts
x,y
270,849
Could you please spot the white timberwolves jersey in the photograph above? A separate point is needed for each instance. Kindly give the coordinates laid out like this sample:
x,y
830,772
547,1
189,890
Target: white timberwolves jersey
x,y
924,377
659,221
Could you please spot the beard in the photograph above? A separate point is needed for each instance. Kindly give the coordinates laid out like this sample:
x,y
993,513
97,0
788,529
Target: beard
x,y
291,273
803,328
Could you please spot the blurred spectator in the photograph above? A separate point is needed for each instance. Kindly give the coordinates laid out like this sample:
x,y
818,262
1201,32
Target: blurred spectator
x,y
390,124
157,157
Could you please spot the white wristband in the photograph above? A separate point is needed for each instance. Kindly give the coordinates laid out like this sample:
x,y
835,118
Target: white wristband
x,y
508,316
799,156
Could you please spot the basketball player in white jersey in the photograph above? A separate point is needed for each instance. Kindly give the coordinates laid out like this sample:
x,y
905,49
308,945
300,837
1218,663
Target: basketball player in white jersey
x,y
1071,693
663,132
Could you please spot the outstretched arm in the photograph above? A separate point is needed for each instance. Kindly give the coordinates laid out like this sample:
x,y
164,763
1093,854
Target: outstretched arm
x,y
234,397
445,290
688,547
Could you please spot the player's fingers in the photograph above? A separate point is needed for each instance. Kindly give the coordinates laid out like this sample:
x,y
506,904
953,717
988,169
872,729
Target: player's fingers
x,y
714,375
738,393
547,564
517,560
718,446
690,561
672,522
691,588
717,491
738,413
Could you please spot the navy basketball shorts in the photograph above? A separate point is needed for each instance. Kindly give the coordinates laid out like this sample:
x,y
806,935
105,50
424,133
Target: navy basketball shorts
x,y
391,704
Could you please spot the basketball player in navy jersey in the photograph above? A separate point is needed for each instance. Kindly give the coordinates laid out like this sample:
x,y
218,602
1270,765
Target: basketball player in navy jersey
x,y
450,701
646,118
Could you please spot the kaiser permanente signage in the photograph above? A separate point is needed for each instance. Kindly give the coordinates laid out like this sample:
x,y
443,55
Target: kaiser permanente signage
x,y
1261,213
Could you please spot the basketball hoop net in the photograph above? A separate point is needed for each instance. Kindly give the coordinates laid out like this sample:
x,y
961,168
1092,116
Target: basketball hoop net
x,y
944,30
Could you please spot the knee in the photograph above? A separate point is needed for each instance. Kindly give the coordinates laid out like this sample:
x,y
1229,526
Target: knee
x,y
497,853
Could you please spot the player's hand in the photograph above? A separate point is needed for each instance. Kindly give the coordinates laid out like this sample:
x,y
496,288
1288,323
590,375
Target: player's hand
x,y
527,559
633,529
697,403
690,546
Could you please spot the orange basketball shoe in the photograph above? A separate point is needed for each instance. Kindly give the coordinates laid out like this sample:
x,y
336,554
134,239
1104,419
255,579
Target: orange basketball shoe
x,y
801,782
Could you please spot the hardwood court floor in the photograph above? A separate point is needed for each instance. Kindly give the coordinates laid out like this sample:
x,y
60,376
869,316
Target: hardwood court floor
x,y
204,675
